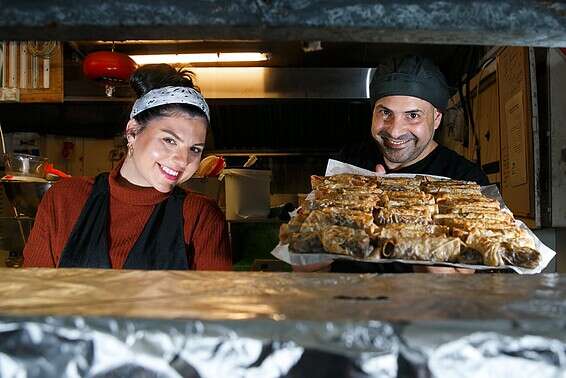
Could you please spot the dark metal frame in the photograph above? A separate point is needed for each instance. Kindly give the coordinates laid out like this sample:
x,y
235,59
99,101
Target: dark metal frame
x,y
483,22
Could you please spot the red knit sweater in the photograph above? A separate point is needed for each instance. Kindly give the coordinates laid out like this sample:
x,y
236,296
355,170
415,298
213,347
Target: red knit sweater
x,y
130,208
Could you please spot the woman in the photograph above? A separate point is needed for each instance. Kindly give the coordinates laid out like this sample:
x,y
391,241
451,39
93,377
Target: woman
x,y
136,217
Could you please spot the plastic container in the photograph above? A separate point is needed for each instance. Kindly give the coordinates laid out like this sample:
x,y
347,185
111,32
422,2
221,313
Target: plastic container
x,y
211,187
247,193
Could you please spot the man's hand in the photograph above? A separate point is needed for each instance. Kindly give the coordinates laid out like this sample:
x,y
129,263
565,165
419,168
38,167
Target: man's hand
x,y
379,168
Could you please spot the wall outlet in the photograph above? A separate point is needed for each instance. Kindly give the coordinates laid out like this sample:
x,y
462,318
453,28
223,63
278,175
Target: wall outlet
x,y
10,94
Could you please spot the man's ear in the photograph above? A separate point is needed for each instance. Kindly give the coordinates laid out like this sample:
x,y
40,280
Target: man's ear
x,y
437,118
132,129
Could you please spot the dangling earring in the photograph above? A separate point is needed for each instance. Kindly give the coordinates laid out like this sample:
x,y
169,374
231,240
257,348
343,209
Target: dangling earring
x,y
130,149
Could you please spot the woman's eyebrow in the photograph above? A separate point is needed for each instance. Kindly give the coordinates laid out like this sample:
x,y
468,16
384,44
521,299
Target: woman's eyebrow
x,y
172,134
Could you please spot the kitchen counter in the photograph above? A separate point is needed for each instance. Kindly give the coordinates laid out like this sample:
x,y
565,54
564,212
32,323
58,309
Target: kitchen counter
x,y
398,325
232,295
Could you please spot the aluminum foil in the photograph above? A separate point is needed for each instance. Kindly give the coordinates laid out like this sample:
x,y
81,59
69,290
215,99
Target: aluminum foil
x,y
105,347
494,355
102,347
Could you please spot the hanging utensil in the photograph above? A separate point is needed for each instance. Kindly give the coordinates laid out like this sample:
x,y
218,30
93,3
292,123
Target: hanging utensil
x,y
2,140
251,161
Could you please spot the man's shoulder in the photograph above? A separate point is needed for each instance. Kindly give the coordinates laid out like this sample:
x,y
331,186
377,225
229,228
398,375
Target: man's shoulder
x,y
452,156
458,167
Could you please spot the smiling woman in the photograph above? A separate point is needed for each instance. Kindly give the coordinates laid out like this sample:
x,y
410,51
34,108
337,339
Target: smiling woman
x,y
136,217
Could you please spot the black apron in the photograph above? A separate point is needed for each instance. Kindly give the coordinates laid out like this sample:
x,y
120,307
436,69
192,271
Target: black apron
x,y
161,245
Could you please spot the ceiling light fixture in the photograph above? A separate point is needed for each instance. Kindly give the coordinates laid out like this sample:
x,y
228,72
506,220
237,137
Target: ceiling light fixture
x,y
200,58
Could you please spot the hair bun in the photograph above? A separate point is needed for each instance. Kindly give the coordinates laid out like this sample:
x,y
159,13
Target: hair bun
x,y
153,76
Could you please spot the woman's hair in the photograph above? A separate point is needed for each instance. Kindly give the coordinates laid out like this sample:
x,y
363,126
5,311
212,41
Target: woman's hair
x,y
154,76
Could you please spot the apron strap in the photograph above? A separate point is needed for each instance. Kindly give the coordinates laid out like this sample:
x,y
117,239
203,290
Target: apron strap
x,y
161,244
87,246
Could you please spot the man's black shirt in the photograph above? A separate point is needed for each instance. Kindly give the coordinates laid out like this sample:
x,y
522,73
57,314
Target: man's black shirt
x,y
441,161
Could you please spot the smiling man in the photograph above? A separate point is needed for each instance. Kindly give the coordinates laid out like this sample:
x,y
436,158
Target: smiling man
x,y
409,97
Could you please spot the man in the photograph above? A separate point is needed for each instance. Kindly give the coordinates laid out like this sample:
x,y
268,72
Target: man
x,y
409,96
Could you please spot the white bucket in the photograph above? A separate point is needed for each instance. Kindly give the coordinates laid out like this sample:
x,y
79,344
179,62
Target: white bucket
x,y
247,193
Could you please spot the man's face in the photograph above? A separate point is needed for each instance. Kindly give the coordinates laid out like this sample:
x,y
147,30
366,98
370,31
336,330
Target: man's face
x,y
403,127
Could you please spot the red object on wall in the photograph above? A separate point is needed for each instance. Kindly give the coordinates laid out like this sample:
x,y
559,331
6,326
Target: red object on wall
x,y
563,49
109,67
67,150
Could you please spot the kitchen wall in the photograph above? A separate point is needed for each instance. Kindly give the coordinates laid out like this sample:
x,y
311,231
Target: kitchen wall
x,y
80,156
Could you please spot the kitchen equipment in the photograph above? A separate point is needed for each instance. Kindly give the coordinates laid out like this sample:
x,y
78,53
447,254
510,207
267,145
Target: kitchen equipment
x,y
108,67
25,165
50,170
247,193
251,161
211,165
211,187
13,235
24,196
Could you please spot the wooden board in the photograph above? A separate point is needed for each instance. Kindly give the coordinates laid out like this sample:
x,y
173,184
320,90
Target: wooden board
x,y
486,117
485,112
480,102
28,73
517,179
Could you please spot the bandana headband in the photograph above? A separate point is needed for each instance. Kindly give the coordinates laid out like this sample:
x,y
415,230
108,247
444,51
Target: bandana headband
x,y
170,95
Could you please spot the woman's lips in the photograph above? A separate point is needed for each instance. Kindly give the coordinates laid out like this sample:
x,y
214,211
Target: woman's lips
x,y
169,173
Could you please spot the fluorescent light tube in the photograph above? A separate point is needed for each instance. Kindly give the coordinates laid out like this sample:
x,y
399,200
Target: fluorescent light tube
x,y
200,58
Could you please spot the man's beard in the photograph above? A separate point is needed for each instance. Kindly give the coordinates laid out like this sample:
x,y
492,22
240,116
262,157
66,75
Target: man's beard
x,y
407,152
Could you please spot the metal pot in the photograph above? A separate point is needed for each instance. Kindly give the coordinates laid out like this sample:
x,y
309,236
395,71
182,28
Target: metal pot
x,y
25,165
25,196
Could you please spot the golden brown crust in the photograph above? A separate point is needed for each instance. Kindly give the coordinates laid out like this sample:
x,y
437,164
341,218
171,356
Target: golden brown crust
x,y
320,219
305,242
437,249
409,218
346,241
399,230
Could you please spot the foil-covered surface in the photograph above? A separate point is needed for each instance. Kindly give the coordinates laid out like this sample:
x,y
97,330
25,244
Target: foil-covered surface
x,y
109,323
106,347
495,355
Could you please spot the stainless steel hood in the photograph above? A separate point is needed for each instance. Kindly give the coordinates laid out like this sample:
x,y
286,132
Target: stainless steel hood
x,y
268,82
252,83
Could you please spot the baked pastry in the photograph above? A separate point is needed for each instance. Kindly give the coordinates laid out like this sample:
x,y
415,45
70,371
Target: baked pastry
x,y
418,218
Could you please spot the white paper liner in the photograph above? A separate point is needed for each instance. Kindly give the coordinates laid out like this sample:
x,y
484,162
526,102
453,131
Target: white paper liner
x,y
334,167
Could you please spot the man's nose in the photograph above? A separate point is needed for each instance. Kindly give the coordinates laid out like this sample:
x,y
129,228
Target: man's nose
x,y
396,127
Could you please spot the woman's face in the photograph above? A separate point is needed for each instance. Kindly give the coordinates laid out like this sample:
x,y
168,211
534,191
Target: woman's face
x,y
166,152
